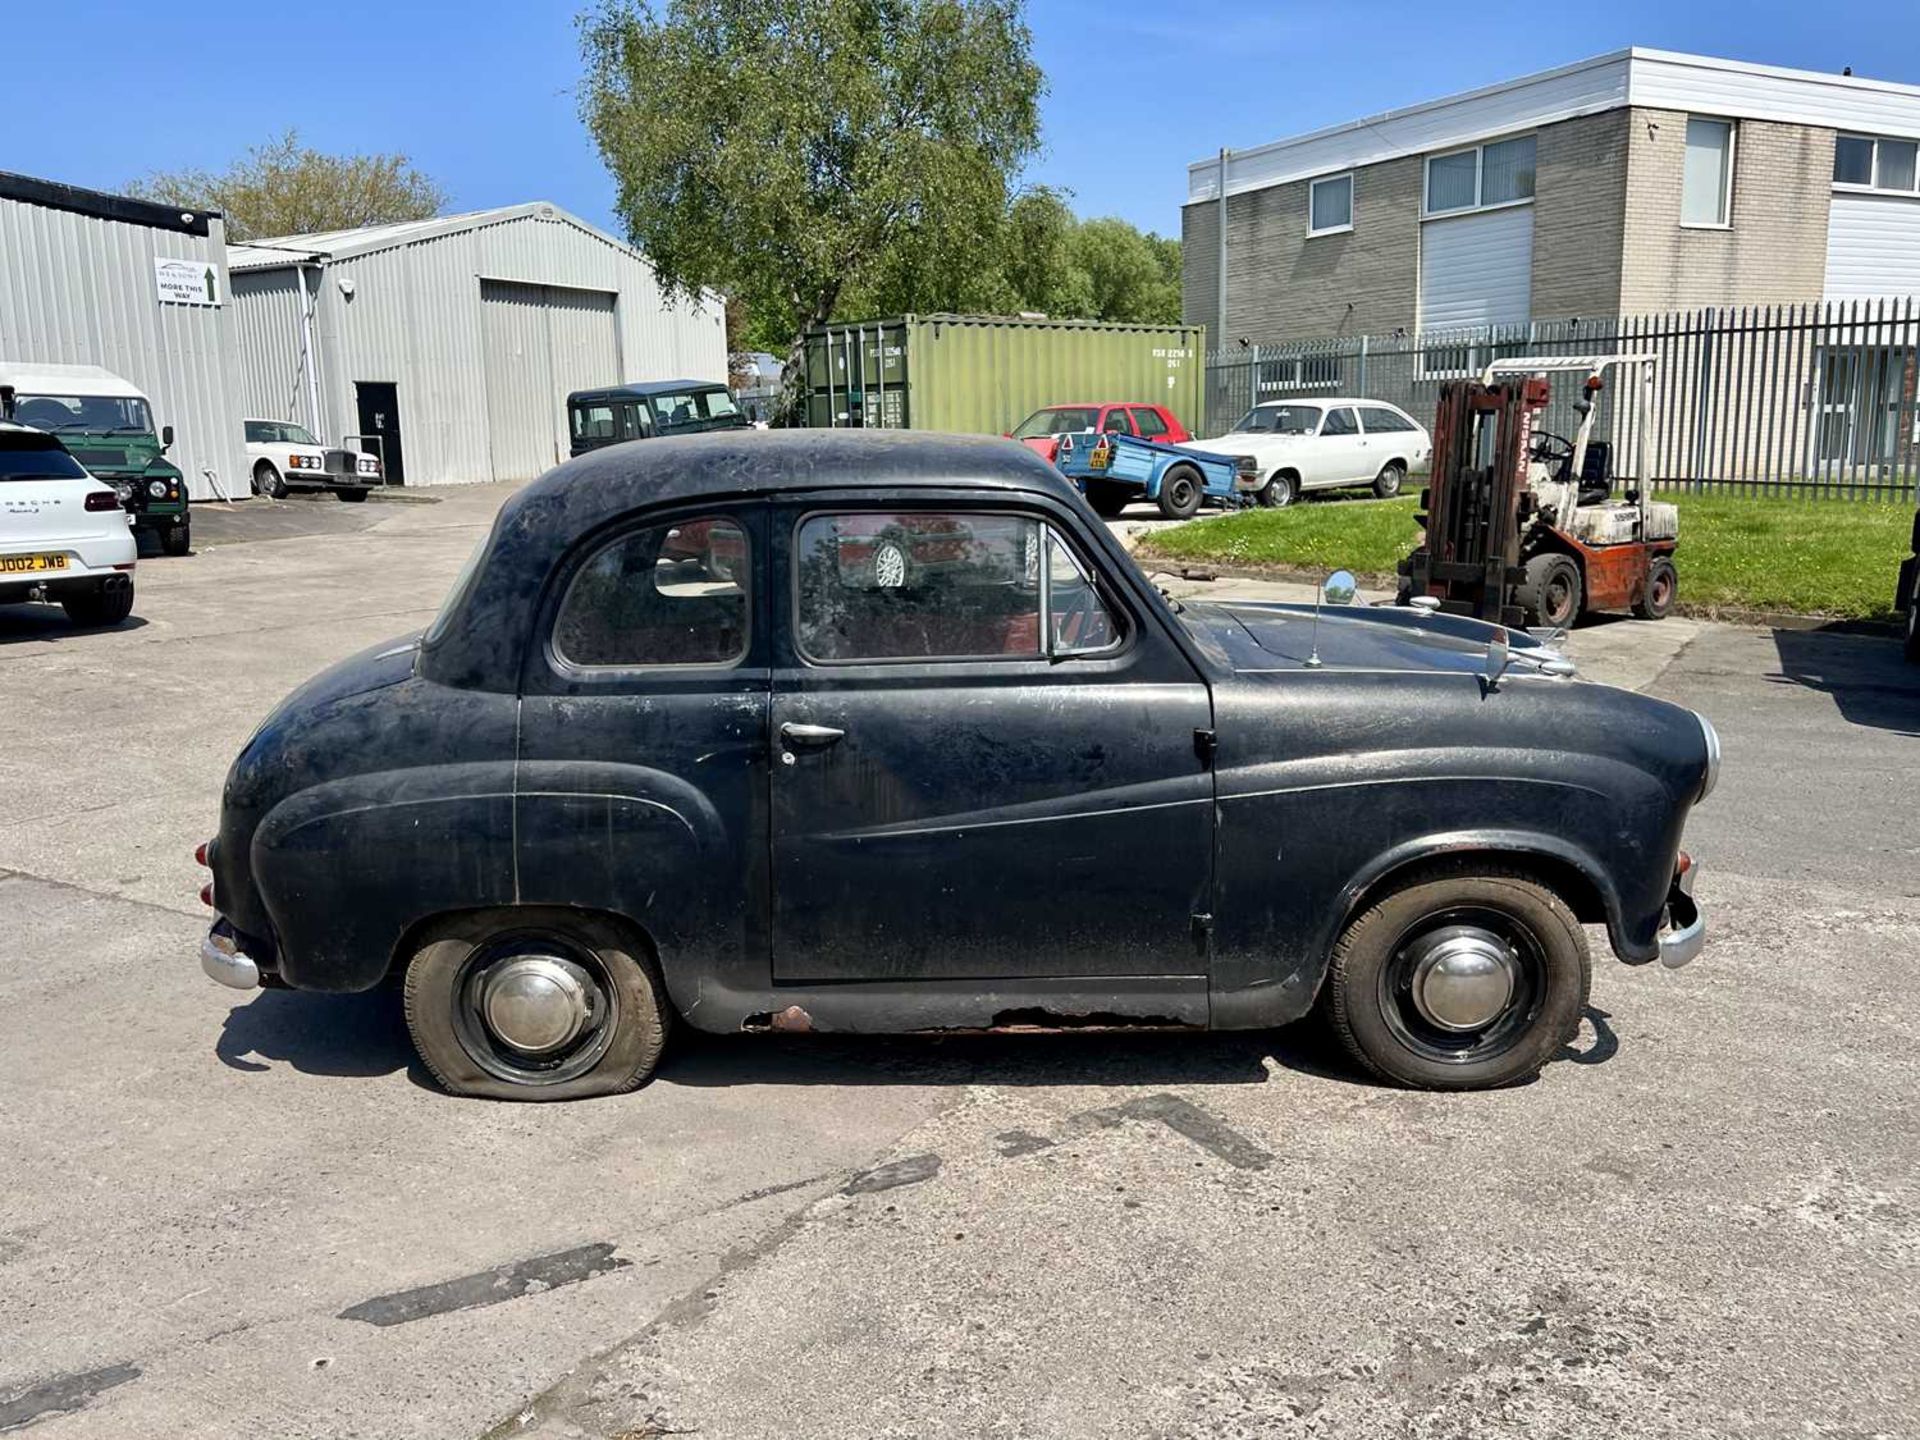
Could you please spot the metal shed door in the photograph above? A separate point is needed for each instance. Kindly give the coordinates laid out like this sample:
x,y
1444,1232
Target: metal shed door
x,y
542,341
1477,269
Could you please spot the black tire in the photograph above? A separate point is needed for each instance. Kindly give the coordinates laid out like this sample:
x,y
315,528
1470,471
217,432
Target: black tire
x,y
267,481
1373,980
1663,586
1387,483
1279,491
177,540
351,494
1551,594
1181,489
99,607
1108,499
440,993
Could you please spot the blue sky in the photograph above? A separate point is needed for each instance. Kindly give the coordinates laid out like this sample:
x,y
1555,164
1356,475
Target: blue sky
x,y
481,94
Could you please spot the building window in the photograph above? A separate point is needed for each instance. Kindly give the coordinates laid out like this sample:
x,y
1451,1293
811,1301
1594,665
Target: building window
x,y
1330,205
1501,173
1706,186
1866,162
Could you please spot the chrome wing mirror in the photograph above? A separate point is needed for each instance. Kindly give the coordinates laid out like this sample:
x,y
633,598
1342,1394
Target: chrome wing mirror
x,y
1337,589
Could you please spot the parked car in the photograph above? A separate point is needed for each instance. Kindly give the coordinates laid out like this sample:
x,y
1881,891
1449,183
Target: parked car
x,y
284,456
1326,443
605,792
1040,432
1114,469
106,423
64,537
1907,593
619,413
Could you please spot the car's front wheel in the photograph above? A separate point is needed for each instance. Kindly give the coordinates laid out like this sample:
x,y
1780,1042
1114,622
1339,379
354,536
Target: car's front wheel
x,y
1468,979
535,1005
1278,491
267,481
177,539
1388,482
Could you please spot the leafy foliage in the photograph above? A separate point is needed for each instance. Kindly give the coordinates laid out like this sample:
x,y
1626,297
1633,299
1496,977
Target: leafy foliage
x,y
285,188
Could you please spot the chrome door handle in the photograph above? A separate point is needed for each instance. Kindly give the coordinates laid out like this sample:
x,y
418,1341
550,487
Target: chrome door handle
x,y
809,734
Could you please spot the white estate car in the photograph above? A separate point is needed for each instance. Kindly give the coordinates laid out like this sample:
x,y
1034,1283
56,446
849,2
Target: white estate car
x,y
63,536
1325,443
283,456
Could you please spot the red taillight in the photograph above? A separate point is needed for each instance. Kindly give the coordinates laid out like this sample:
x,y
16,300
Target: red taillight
x,y
102,500
206,894
1684,864
200,852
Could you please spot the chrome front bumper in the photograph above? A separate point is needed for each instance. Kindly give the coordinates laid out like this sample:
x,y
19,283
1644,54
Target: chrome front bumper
x,y
1686,928
227,963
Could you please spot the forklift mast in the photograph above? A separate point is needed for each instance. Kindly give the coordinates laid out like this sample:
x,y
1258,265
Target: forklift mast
x,y
1471,558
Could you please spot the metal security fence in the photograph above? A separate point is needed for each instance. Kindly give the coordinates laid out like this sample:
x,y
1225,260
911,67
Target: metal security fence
x,y
1813,400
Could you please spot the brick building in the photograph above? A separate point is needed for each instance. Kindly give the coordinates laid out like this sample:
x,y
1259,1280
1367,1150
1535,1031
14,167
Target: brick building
x,y
1637,182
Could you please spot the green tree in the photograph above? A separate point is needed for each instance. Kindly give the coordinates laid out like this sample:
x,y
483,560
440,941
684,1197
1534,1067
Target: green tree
x,y
798,153
1128,274
285,188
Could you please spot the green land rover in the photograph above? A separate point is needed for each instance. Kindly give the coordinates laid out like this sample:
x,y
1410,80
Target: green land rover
x,y
107,425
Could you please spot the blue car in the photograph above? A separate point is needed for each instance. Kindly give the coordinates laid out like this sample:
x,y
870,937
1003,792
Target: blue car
x,y
1114,470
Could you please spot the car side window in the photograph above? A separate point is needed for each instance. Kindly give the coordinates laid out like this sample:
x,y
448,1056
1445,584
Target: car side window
x,y
1149,423
673,594
593,422
1116,422
1382,422
941,585
1340,422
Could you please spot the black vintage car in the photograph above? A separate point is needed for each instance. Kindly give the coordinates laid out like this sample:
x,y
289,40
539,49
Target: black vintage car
x,y
885,732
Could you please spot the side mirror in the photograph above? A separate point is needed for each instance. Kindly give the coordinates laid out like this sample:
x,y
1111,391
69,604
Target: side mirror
x,y
166,437
1339,587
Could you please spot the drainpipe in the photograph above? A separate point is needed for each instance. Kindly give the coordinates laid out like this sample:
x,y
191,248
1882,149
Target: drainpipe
x,y
306,345
1220,304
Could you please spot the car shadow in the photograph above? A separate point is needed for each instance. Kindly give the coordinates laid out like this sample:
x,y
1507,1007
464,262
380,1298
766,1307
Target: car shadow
x,y
21,623
359,1036
1864,672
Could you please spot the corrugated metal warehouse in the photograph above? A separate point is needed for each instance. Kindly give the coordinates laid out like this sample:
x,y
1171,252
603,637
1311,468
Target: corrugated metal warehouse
x,y
88,278
454,341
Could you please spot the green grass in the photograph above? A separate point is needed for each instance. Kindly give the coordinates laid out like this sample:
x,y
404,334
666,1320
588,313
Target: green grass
x,y
1812,557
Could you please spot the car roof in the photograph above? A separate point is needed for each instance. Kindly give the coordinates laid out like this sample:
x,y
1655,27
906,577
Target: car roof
x,y
1097,405
641,391
480,645
1332,400
28,437
35,378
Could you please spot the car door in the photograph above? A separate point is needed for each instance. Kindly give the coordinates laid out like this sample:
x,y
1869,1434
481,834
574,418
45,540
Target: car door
x,y
1115,421
1149,425
978,778
1339,453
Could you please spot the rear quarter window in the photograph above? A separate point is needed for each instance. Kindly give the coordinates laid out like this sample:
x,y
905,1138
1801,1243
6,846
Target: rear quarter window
x,y
669,594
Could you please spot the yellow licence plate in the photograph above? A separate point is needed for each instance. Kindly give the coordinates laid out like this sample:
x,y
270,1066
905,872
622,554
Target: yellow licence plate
x,y
1098,459
31,564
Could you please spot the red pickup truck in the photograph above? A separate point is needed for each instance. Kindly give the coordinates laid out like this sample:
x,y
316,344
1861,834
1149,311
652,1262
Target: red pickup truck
x,y
1041,431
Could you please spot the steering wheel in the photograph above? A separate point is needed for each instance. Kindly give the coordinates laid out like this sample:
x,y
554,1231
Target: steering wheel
x,y
1550,449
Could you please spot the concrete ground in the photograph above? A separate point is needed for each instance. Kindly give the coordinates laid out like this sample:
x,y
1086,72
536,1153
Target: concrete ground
x,y
250,1214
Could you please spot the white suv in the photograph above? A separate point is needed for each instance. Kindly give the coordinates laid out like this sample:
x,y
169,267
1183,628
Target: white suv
x,y
63,535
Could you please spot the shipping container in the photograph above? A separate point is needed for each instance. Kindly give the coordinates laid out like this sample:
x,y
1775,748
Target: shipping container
x,y
983,375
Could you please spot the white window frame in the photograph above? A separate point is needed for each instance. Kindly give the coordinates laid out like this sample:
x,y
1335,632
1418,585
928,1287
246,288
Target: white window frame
x,y
1313,185
1873,185
1726,184
1427,212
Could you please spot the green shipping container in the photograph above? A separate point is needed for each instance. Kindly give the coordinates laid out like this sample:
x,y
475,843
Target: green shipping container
x,y
983,375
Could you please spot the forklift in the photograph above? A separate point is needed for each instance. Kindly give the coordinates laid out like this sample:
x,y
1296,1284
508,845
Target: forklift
x,y
1523,527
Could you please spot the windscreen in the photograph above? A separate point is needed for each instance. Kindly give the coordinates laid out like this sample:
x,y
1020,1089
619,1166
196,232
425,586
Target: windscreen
x,y
97,414
1058,421
1279,420
278,432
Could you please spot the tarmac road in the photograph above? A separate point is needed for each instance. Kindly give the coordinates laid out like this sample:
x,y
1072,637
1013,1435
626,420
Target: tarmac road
x,y
249,1215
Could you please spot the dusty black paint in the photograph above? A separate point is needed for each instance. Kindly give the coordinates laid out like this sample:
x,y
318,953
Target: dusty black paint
x,y
489,1287
61,1396
989,839
909,1170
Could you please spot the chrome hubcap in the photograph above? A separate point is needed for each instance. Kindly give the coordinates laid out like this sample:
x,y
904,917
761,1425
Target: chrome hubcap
x,y
1464,978
537,1003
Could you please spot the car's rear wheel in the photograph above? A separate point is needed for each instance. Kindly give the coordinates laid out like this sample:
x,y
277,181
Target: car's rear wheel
x,y
267,481
1468,979
177,539
535,1005
1388,482
99,607
1278,491
1551,594
1180,492
1663,586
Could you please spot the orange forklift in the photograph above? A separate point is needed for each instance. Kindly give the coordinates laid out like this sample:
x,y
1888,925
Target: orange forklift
x,y
1523,526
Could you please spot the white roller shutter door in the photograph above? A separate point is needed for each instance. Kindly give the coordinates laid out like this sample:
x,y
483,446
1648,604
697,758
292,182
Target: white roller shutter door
x,y
1873,246
1477,269
542,341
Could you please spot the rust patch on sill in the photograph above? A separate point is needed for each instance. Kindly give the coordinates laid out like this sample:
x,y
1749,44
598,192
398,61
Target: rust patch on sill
x,y
792,1021
1035,1020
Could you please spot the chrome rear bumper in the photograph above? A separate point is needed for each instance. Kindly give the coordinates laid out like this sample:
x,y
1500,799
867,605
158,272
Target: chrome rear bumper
x,y
1686,929
224,961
